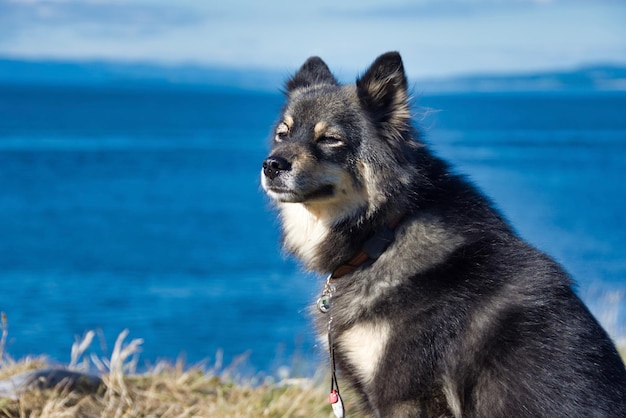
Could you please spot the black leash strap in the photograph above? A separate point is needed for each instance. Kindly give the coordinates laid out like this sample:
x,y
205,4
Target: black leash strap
x,y
334,398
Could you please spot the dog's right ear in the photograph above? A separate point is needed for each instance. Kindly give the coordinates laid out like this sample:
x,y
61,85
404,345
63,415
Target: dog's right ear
x,y
313,71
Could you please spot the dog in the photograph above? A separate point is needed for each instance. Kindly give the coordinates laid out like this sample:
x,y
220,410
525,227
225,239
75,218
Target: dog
x,y
434,306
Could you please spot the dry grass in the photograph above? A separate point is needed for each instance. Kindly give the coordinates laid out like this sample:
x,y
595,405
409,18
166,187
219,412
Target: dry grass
x,y
171,392
167,390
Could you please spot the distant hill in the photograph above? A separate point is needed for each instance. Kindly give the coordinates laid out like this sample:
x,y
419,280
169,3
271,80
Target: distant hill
x,y
146,75
590,78
135,75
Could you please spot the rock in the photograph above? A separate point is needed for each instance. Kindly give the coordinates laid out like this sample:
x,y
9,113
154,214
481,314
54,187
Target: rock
x,y
48,378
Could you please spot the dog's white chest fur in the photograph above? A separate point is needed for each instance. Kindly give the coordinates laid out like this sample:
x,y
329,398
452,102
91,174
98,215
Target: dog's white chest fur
x,y
303,232
364,346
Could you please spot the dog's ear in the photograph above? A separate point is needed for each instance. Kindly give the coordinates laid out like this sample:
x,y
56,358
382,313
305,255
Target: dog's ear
x,y
383,92
313,71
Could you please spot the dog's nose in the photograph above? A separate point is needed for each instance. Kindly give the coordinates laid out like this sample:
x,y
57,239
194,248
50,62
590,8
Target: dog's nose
x,y
272,166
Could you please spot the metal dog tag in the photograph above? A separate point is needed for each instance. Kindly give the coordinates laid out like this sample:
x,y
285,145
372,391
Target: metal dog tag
x,y
323,304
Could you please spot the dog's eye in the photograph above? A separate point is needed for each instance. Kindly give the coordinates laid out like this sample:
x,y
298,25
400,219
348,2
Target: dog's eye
x,y
281,132
330,140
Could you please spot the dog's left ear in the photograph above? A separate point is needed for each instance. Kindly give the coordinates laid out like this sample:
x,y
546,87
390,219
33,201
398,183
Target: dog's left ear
x,y
383,92
313,71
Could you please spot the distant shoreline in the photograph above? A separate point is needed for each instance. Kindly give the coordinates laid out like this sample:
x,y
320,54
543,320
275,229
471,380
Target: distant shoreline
x,y
15,71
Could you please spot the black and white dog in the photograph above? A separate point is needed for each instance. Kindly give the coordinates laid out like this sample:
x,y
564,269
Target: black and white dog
x,y
438,308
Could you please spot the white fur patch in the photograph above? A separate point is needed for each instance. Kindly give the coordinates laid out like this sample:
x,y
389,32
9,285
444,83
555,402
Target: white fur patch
x,y
364,345
303,231
454,403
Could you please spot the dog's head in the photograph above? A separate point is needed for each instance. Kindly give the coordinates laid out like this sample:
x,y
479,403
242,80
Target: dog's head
x,y
335,146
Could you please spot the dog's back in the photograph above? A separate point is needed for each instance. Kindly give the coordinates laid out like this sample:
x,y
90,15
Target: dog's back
x,y
434,306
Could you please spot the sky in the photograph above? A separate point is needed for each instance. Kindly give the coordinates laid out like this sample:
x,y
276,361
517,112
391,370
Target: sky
x,y
437,38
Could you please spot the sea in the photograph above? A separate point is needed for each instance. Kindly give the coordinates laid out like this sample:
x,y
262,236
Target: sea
x,y
140,209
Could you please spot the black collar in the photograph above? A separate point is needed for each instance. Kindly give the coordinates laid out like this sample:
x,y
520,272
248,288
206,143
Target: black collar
x,y
372,249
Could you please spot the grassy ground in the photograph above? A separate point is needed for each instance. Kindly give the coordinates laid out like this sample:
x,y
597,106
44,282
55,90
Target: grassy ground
x,y
168,390
171,392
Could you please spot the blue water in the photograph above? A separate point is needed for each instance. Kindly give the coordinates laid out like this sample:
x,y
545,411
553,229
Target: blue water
x,y
142,210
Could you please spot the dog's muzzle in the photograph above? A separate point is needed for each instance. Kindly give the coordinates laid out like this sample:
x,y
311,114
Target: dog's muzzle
x,y
281,183
273,166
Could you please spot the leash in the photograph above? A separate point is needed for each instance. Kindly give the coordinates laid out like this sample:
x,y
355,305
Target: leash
x,y
372,250
334,398
323,304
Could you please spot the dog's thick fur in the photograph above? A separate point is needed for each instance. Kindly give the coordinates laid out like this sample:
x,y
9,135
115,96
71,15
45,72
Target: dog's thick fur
x,y
458,317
